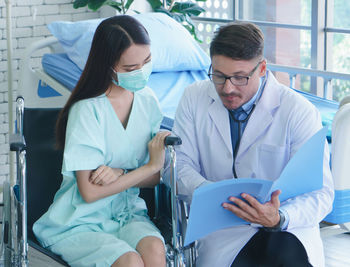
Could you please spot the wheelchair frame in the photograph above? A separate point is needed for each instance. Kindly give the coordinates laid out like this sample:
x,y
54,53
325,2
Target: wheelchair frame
x,y
14,241
178,254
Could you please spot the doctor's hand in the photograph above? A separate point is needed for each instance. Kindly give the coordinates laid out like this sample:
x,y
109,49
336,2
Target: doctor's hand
x,y
105,175
251,210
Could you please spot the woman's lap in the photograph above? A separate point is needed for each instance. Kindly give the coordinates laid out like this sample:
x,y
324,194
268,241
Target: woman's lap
x,y
101,248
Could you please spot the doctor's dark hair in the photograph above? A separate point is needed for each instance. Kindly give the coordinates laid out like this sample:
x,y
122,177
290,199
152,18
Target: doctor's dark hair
x,y
238,41
112,37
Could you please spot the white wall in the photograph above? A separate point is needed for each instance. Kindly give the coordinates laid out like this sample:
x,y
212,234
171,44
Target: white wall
x,y
29,20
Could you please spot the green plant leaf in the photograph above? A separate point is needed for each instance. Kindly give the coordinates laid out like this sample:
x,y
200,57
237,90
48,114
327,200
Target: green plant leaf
x,y
96,4
128,4
162,10
187,8
155,4
112,3
191,28
176,16
115,5
80,3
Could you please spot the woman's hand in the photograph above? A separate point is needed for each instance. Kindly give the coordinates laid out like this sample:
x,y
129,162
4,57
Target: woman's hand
x,y
157,151
105,175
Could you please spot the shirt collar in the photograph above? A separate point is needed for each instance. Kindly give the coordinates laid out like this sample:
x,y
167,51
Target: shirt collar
x,y
249,105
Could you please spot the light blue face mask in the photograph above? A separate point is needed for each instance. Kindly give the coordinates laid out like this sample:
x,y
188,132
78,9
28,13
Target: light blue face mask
x,y
134,80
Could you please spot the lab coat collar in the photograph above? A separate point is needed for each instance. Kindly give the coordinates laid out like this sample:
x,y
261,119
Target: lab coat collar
x,y
258,122
219,116
262,116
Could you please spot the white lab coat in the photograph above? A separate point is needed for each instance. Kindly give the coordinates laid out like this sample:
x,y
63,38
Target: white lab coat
x,y
282,121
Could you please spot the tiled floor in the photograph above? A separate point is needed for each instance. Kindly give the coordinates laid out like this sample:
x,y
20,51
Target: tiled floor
x,y
336,247
337,253
337,250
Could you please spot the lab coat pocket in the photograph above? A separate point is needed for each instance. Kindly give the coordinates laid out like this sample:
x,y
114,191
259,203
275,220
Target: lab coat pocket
x,y
271,161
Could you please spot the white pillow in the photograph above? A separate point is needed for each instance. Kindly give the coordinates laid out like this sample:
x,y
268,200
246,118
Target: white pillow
x,y
172,47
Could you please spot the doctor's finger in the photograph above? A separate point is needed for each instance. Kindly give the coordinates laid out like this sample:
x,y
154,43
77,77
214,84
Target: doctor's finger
x,y
244,206
237,211
275,198
252,201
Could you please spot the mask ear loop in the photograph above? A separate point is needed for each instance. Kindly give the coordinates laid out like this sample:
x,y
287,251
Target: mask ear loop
x,y
115,74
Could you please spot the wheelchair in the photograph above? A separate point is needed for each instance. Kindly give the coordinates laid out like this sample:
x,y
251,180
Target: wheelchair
x,y
39,176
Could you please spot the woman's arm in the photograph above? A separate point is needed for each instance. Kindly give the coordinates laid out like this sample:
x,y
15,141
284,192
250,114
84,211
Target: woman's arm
x,y
91,192
150,181
146,175
105,175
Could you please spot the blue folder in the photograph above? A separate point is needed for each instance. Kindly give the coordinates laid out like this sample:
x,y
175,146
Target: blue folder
x,y
302,174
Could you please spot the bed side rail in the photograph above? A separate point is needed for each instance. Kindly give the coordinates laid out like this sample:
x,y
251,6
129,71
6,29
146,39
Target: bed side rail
x,y
30,78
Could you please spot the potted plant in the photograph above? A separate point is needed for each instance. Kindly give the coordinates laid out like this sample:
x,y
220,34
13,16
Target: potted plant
x,y
180,11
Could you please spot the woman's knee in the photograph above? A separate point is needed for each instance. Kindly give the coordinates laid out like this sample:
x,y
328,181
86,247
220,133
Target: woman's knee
x,y
152,251
131,259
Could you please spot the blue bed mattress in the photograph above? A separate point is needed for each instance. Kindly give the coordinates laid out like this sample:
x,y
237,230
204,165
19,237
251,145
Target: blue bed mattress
x,y
327,108
168,86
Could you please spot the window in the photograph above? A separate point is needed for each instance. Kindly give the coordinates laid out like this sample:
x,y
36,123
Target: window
x,y
311,34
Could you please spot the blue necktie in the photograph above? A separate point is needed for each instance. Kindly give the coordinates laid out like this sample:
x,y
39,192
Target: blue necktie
x,y
237,119
236,129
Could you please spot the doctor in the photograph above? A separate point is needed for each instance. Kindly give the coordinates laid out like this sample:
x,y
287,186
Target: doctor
x,y
244,123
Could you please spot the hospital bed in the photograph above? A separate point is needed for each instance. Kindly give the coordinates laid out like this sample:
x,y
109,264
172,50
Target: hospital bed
x,y
45,90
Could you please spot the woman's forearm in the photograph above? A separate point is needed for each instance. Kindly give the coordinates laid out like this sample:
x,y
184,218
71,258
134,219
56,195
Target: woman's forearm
x,y
150,181
91,192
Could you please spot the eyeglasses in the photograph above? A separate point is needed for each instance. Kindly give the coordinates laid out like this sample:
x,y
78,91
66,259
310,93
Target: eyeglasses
x,y
237,80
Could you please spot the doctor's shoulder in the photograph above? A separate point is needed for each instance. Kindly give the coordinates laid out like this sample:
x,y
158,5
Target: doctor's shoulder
x,y
295,100
198,91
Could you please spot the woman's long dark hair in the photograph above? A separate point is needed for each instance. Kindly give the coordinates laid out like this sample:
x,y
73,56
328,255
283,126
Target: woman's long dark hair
x,y
112,37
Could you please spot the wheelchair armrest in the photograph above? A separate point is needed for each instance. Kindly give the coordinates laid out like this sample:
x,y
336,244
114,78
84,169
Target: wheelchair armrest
x,y
172,141
17,142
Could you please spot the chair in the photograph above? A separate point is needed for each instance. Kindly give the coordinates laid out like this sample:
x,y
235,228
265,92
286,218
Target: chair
x,y
39,177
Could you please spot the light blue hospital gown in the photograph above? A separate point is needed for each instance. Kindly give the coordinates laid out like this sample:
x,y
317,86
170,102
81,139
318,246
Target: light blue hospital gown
x,y
96,234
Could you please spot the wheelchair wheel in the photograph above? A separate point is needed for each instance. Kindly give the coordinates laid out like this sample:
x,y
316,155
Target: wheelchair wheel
x,y
6,241
188,257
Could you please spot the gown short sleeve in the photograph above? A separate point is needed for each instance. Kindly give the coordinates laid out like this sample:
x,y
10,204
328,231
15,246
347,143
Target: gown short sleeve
x,y
84,147
156,116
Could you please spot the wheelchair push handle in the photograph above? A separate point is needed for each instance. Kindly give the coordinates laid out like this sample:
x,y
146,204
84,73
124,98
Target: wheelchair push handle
x,y
172,141
17,142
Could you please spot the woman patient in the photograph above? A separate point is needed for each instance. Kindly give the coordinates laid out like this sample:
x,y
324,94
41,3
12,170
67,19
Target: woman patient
x,y
97,217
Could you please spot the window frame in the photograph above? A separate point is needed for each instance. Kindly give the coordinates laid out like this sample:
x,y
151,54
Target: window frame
x,y
321,44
